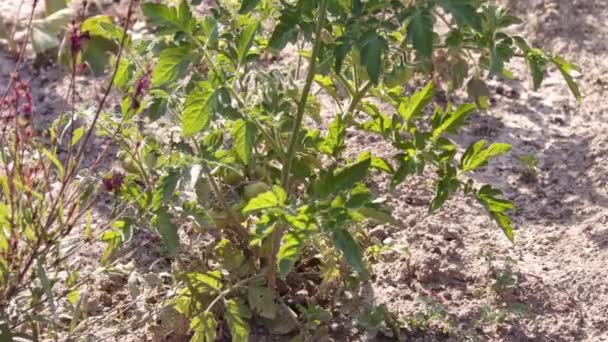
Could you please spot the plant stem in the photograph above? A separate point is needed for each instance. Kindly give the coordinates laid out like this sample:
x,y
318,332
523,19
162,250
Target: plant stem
x,y
291,150
312,70
239,284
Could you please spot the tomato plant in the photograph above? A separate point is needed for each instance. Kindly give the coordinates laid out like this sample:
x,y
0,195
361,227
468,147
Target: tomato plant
x,y
226,126
249,151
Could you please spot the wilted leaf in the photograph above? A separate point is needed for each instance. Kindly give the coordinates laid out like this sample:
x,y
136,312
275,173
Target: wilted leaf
x,y
236,316
261,300
205,328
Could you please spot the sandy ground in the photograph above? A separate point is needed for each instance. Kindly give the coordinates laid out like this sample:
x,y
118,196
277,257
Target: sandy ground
x,y
552,284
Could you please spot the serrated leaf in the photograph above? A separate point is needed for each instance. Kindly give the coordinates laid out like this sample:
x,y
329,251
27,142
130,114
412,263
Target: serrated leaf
x,y
377,162
464,12
248,6
261,300
500,55
537,66
373,47
454,120
348,176
413,107
350,249
198,109
172,65
236,315
285,31
243,133
205,327
168,231
170,18
420,31
123,74
267,200
205,283
476,156
446,186
293,243
245,40
566,69
496,206
229,257
333,142
165,189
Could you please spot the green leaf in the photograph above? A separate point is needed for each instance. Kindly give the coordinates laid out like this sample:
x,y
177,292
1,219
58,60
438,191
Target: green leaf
x,y
286,31
373,47
350,249
54,160
78,132
537,66
45,31
479,91
348,176
168,231
245,40
293,243
205,327
333,142
412,108
261,300
236,314
446,186
172,65
165,189
267,200
420,31
464,12
496,206
500,55
52,6
123,74
248,6
453,120
476,156
170,18
566,69
198,109
243,133
378,214
229,257
205,283
377,162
